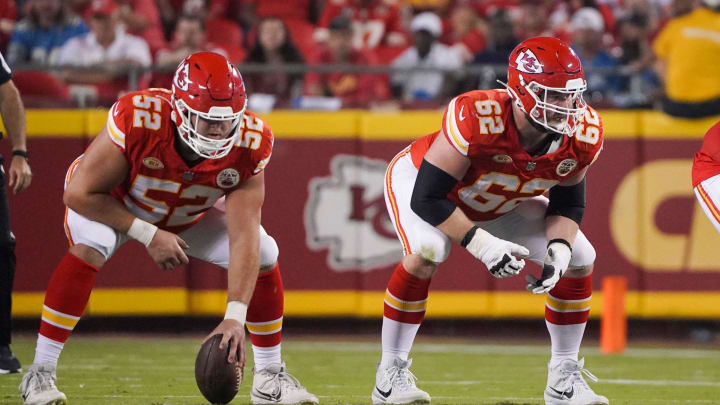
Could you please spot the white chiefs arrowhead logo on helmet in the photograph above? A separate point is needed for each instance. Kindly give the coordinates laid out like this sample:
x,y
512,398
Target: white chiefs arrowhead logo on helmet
x,y
527,62
181,76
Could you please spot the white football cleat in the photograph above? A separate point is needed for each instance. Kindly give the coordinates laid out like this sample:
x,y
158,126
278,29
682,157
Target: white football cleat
x,y
273,385
395,384
566,385
38,386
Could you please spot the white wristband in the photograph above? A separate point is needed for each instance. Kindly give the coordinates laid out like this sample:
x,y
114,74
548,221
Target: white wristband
x,y
142,231
236,310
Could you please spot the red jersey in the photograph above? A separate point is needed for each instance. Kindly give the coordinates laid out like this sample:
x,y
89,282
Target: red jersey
x,y
160,187
372,20
354,89
283,9
707,161
502,174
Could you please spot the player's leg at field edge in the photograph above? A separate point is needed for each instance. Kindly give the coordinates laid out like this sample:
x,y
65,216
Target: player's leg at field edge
x,y
66,297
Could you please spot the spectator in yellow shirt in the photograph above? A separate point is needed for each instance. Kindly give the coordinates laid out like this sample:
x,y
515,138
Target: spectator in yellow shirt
x,y
688,56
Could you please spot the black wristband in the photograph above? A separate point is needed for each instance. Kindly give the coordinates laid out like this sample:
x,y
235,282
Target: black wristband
x,y
563,241
20,152
469,235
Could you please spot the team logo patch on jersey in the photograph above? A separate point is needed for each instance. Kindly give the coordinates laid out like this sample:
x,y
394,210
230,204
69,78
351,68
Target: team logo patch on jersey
x,y
153,163
502,159
228,178
566,166
527,62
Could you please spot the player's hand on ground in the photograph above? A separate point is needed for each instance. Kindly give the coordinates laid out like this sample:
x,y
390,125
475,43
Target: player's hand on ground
x,y
502,258
20,175
166,249
234,335
556,263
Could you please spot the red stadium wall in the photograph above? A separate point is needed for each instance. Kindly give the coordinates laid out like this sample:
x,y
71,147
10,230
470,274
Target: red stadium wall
x,y
324,206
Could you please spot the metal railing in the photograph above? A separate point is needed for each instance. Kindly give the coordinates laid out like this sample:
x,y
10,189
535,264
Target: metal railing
x,y
619,86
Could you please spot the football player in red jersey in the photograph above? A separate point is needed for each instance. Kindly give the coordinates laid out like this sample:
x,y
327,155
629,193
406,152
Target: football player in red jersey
x,y
706,175
181,172
479,182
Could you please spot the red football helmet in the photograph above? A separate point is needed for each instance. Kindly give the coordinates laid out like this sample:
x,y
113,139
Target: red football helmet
x,y
546,80
207,86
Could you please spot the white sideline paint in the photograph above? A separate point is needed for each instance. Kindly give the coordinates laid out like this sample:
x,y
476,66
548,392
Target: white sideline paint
x,y
603,381
468,348
662,382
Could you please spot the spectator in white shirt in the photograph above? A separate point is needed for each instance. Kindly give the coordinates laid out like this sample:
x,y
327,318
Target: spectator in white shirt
x,y
107,47
426,52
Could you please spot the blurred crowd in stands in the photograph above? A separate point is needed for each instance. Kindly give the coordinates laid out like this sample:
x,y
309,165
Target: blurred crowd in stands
x,y
363,53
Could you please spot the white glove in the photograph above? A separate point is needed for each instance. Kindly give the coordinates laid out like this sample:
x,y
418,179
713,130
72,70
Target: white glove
x,y
556,263
497,254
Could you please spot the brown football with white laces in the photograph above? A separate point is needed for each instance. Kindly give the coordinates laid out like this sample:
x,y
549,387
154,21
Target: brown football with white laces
x,y
217,379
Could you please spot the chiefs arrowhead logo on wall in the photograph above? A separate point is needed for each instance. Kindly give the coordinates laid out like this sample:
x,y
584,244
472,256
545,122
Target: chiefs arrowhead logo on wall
x,y
346,215
527,62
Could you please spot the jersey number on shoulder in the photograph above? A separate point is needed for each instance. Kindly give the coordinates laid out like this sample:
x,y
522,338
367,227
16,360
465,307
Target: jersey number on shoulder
x,y
181,215
490,114
147,112
479,197
589,131
251,136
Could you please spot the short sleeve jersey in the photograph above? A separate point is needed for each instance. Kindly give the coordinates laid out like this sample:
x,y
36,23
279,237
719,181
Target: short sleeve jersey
x,y
707,160
479,125
5,73
161,188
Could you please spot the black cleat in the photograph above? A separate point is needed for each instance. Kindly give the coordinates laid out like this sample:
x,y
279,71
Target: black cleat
x,y
8,362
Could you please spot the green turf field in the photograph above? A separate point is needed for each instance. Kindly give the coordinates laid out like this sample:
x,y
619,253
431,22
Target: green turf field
x,y
154,371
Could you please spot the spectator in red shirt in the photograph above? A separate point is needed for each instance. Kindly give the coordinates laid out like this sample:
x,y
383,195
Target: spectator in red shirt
x,y
274,47
171,10
8,15
353,89
298,16
188,38
464,32
374,22
532,20
286,10
142,18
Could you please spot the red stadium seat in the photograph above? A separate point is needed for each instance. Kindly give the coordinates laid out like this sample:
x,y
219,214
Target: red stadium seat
x,y
40,89
222,31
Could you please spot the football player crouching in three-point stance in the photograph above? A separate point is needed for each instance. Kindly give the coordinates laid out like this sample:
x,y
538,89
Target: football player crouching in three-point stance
x,y
180,171
479,182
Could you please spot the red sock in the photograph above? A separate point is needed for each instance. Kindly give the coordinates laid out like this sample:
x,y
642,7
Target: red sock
x,y
569,302
406,297
265,313
66,297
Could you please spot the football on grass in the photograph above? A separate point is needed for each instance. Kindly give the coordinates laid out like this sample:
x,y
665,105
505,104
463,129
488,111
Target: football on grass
x,y
217,379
